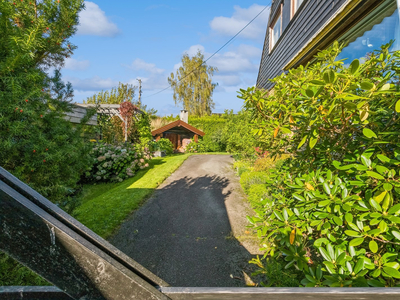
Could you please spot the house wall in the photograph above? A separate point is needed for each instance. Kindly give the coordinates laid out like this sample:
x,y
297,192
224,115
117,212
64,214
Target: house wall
x,y
312,15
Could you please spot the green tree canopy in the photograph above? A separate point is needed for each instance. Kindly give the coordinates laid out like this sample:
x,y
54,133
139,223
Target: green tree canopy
x,y
192,85
37,144
124,92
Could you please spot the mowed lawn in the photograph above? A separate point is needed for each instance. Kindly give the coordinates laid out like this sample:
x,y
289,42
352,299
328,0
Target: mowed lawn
x,y
106,205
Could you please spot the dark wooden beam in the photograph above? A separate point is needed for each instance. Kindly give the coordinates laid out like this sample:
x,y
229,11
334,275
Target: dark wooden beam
x,y
62,256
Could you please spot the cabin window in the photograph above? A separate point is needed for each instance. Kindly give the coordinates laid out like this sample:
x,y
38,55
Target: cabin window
x,y
380,27
276,31
295,6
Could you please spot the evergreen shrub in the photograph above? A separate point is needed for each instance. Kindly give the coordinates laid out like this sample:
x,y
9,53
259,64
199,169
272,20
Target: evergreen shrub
x,y
336,202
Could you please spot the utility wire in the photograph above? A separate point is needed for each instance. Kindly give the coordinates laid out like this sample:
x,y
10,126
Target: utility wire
x,y
227,43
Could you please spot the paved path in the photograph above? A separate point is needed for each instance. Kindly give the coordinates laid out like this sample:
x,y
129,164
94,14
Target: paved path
x,y
188,232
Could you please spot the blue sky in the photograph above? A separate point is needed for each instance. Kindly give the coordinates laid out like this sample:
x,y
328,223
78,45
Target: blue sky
x,y
120,41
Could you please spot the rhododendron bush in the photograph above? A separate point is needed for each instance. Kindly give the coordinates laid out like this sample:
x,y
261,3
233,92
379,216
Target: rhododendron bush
x,y
117,162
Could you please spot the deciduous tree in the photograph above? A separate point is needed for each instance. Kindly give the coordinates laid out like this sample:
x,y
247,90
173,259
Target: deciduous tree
x,y
193,86
124,92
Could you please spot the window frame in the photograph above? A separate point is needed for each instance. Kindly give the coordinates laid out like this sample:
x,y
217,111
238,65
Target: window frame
x,y
278,16
293,5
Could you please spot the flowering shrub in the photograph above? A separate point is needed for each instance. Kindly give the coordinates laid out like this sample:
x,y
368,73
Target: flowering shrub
x,y
116,163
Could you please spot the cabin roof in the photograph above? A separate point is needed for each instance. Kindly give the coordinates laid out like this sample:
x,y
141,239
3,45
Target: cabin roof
x,y
178,123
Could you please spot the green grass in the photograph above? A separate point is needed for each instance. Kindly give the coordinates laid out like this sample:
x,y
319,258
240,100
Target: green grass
x,y
14,273
105,206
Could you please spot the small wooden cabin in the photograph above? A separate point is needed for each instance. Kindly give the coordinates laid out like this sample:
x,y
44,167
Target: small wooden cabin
x,y
179,133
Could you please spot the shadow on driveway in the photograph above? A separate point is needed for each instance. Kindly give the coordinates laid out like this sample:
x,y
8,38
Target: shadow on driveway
x,y
183,234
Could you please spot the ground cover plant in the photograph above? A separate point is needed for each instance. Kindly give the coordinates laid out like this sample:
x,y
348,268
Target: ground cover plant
x,y
335,202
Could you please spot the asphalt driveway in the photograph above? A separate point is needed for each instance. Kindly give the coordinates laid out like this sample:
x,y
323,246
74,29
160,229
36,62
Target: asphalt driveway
x,y
192,231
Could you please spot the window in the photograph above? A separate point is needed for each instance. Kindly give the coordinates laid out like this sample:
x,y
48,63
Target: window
x,y
295,6
378,28
276,31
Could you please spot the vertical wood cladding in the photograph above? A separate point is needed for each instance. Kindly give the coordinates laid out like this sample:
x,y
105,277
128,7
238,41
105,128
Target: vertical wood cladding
x,y
310,17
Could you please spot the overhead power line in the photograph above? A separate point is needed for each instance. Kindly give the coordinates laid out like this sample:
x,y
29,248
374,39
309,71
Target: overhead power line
x,y
222,47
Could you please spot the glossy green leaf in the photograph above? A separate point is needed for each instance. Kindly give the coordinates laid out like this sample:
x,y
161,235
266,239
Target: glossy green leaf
x,y
326,188
379,196
394,209
278,215
338,221
383,158
392,272
385,87
359,265
375,283
388,187
352,233
373,246
398,106
375,175
330,267
298,197
367,85
382,226
396,234
302,142
313,141
317,82
310,93
356,242
369,133
353,68
375,204
348,217
365,161
325,254
329,76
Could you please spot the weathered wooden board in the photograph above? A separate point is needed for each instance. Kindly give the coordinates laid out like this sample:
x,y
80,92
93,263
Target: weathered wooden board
x,y
79,228
32,293
179,293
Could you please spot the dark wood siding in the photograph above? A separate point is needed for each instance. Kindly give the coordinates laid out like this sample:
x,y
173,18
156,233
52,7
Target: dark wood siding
x,y
310,18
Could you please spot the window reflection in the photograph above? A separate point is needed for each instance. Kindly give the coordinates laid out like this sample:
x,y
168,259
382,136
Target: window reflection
x,y
380,29
276,32
298,3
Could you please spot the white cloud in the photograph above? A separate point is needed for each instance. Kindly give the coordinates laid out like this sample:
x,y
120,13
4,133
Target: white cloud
x,y
194,49
249,51
95,83
229,26
76,65
235,68
93,21
153,78
240,59
228,80
232,62
177,66
139,64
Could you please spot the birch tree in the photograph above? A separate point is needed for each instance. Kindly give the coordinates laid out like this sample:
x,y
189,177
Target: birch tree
x,y
193,86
